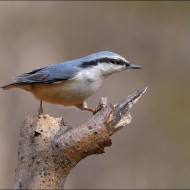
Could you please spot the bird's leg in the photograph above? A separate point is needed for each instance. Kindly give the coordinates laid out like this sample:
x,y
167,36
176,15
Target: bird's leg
x,y
102,103
40,110
83,106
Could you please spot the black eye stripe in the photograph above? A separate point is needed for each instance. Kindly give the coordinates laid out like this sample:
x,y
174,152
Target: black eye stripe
x,y
95,62
89,64
118,61
113,61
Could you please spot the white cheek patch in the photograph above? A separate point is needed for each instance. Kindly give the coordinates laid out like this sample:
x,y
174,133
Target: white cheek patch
x,y
109,68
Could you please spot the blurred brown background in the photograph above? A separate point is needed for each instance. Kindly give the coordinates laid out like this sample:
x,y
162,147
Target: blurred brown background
x,y
153,152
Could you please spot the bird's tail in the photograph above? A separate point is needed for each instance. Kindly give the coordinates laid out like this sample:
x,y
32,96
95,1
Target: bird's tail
x,y
9,86
17,85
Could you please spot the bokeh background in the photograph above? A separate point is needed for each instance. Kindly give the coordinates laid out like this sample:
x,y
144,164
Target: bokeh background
x,y
153,151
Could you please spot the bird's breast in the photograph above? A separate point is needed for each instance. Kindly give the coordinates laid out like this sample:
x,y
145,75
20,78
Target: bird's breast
x,y
70,92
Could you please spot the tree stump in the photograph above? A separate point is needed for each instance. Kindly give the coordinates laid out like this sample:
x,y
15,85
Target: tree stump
x,y
49,149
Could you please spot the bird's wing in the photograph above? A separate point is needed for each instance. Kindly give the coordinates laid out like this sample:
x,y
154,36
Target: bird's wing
x,y
50,74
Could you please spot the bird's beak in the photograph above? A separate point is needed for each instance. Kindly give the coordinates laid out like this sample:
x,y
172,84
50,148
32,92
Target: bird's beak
x,y
133,66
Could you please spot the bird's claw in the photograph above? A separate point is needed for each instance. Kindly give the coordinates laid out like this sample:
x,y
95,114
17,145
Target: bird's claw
x,y
102,104
40,111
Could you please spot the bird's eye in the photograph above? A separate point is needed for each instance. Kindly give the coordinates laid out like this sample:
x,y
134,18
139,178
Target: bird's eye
x,y
119,62
115,61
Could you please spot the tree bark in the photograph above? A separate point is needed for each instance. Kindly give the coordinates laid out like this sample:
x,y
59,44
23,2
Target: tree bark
x,y
49,149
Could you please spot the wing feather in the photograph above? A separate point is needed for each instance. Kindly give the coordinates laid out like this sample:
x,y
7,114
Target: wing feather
x,y
50,74
32,77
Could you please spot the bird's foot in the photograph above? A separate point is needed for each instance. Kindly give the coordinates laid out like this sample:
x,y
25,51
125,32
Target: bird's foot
x,y
40,111
101,105
94,111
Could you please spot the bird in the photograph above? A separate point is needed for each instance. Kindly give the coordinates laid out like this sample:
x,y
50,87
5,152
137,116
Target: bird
x,y
70,83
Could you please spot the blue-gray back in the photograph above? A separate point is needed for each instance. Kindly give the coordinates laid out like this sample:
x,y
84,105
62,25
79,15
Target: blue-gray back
x,y
64,70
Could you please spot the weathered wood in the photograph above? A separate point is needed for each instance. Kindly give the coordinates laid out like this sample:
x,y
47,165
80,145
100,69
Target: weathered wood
x,y
49,149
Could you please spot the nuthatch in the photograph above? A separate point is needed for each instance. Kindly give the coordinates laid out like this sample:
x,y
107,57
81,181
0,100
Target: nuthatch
x,y
71,83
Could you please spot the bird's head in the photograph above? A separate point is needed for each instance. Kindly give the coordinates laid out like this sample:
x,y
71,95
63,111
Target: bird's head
x,y
107,62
